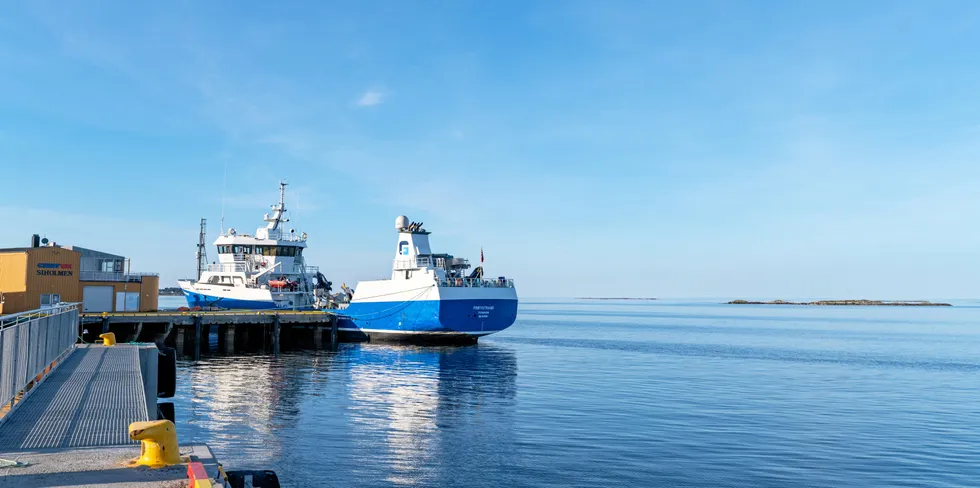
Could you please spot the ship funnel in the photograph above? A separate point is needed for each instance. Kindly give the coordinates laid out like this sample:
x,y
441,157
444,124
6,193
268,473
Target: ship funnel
x,y
35,240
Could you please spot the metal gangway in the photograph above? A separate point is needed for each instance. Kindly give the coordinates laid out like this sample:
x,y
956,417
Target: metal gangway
x,y
62,395
30,344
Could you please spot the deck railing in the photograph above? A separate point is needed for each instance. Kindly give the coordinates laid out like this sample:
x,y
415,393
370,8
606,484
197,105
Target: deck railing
x,y
477,283
228,267
420,262
30,342
132,276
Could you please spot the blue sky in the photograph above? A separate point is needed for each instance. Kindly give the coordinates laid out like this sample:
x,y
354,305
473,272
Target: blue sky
x,y
694,149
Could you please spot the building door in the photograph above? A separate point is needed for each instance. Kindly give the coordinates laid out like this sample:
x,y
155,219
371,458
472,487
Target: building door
x,y
97,299
127,301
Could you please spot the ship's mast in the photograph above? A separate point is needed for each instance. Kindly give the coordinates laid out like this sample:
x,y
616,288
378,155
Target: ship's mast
x,y
202,253
278,211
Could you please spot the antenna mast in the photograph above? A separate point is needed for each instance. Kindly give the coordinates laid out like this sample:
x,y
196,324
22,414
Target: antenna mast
x,y
224,183
202,252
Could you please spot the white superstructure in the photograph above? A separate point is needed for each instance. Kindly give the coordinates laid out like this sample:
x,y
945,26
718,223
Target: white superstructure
x,y
261,271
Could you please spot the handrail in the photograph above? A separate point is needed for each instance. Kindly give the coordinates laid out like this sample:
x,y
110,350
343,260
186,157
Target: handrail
x,y
30,342
476,283
132,276
16,318
419,262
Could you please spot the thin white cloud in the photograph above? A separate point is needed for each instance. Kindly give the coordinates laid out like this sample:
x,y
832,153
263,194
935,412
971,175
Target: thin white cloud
x,y
371,98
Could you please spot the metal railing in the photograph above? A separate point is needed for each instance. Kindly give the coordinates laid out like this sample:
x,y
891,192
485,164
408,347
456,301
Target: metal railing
x,y
477,283
30,342
243,267
420,262
132,276
228,268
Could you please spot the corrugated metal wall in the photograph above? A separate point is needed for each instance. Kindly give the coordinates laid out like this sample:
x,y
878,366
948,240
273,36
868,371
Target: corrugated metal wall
x,y
13,281
52,270
25,275
150,294
149,290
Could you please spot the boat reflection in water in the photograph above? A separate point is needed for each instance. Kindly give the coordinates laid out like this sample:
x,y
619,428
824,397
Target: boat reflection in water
x,y
427,404
366,414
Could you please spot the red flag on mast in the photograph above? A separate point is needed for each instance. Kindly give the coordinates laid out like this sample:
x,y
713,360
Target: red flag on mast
x,y
481,254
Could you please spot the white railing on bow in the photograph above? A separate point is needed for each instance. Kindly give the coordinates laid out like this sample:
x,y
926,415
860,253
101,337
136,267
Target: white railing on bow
x,y
30,342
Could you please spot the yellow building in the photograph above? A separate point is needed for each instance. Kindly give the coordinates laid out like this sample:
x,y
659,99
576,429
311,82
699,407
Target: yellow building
x,y
43,275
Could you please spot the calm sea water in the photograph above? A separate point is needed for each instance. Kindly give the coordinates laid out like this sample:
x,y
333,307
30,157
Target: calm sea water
x,y
581,393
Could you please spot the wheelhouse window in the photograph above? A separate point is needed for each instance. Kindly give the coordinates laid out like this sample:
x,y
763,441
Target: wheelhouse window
x,y
242,249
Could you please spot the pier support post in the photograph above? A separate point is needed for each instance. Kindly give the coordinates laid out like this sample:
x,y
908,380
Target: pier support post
x,y
317,336
275,334
197,337
105,324
333,333
179,341
229,339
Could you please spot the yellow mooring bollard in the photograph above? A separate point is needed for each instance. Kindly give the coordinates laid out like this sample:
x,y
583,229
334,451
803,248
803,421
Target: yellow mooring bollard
x,y
159,443
108,338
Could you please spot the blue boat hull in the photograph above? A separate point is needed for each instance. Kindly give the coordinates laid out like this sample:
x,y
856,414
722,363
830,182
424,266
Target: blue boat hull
x,y
429,318
195,299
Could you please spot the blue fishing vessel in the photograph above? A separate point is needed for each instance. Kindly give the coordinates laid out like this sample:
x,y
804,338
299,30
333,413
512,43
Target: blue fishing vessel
x,y
262,271
429,297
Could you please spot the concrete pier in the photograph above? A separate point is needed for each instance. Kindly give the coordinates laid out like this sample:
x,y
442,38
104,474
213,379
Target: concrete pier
x,y
238,331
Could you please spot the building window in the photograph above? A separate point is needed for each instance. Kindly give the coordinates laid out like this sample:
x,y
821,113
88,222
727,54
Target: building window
x,y
49,300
